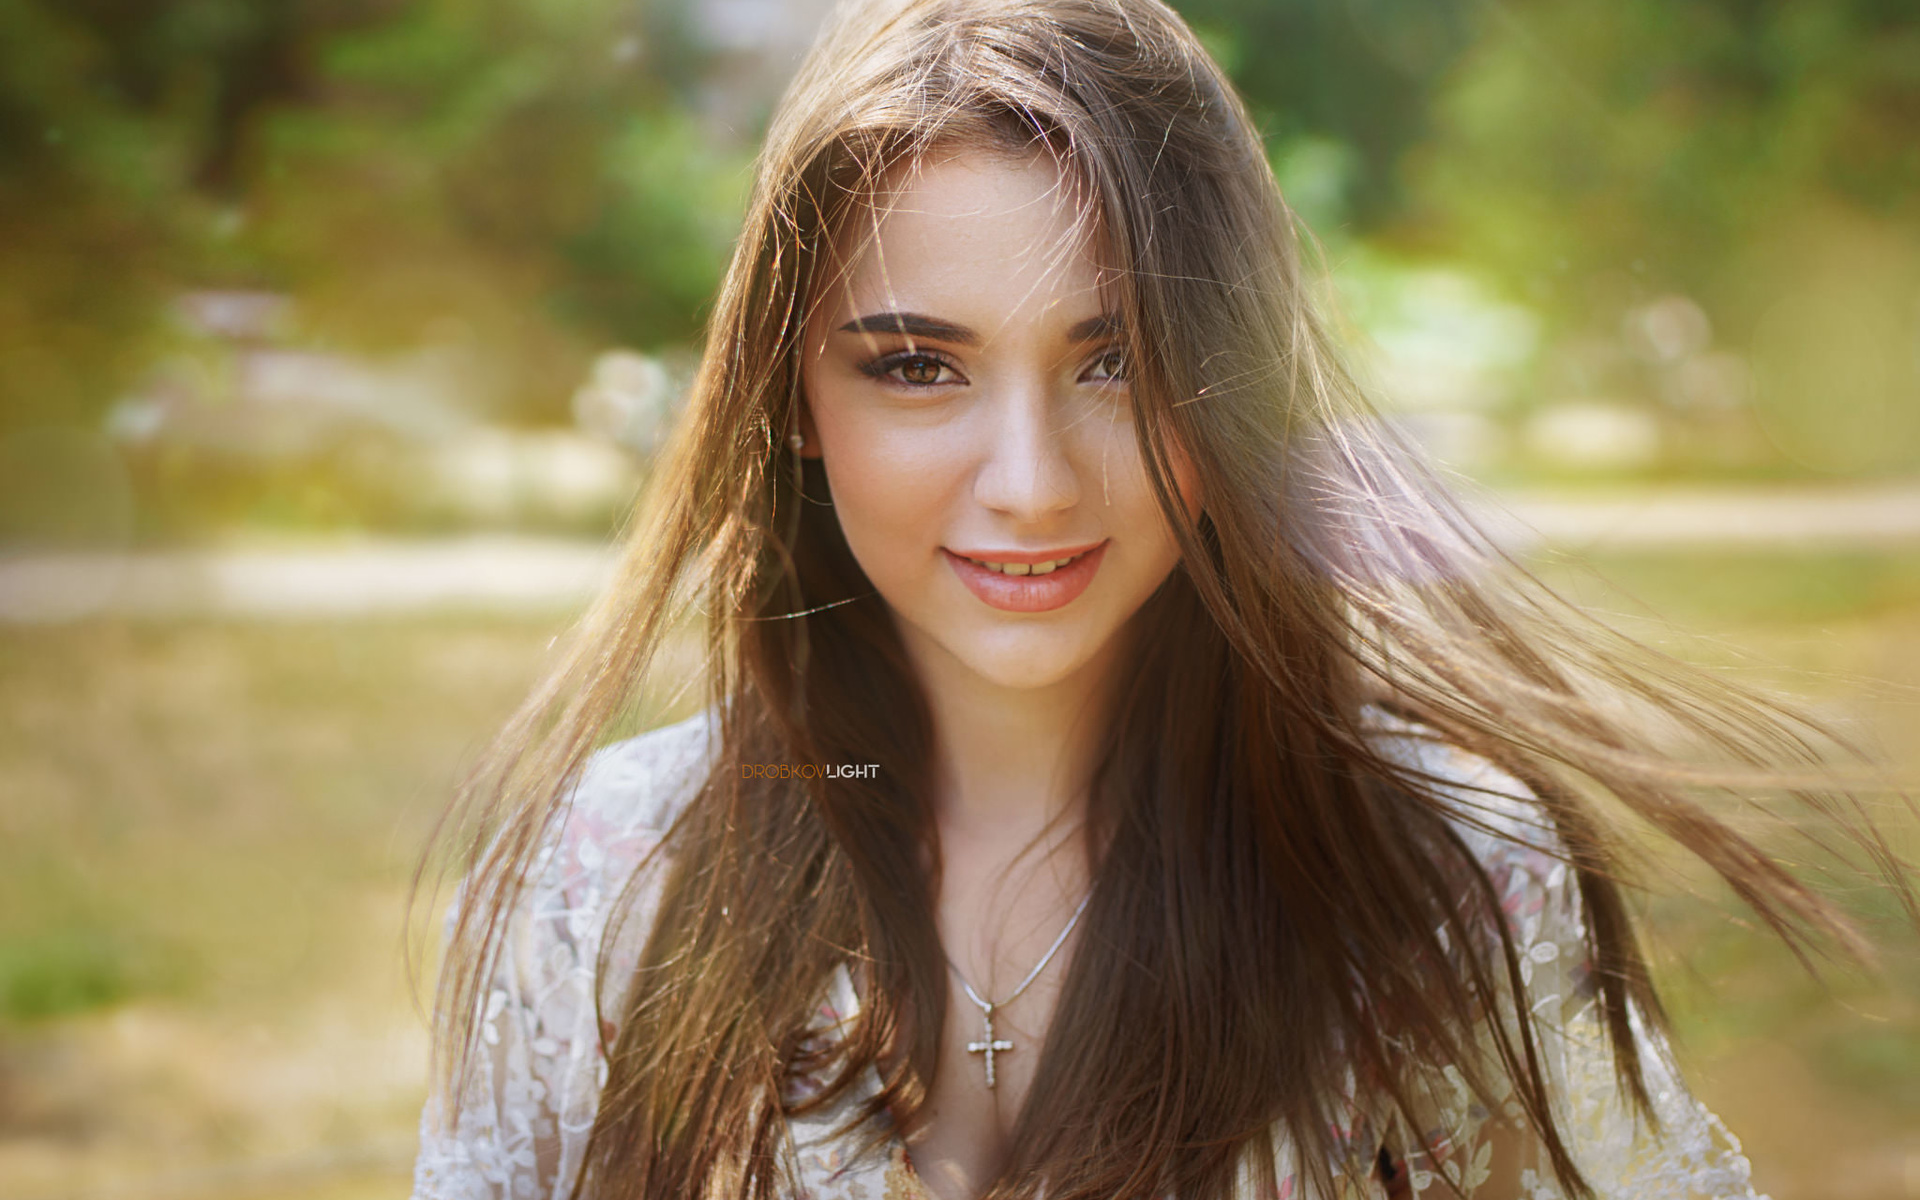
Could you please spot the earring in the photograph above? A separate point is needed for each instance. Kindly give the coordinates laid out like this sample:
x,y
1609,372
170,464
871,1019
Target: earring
x,y
797,440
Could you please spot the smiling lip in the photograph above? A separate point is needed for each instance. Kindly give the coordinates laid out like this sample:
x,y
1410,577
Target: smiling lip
x,y
1028,593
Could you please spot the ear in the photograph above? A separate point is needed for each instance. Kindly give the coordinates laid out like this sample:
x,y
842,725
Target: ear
x,y
807,431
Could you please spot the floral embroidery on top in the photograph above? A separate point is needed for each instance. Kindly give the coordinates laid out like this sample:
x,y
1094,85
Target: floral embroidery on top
x,y
521,1125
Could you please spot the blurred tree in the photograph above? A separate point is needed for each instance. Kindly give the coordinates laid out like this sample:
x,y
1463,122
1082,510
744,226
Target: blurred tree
x,y
508,173
1755,162
535,181
517,168
1341,89
121,124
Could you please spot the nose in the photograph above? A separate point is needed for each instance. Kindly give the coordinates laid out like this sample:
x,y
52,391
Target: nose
x,y
1027,473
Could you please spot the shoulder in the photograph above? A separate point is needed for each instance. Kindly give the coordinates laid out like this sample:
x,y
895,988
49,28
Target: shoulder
x,y
642,783
522,1117
627,796
1496,814
1500,820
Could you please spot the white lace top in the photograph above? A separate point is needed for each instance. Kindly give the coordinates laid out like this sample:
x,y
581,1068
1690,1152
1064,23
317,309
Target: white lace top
x,y
530,1102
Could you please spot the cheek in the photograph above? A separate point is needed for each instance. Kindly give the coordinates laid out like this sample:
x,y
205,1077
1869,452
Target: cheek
x,y
879,506
1185,481
1186,478
887,487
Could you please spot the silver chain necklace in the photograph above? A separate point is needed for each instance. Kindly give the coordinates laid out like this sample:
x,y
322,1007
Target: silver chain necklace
x,y
988,1045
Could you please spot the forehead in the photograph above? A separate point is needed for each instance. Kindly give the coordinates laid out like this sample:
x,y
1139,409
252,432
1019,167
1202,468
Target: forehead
x,y
969,227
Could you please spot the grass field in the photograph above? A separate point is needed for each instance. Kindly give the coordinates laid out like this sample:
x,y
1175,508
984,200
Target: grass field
x,y
206,832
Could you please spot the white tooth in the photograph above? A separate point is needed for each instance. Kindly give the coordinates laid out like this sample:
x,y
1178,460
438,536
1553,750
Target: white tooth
x,y
1046,568
1016,568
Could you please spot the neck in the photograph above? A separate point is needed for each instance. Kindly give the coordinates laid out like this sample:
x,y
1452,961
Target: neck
x,y
1010,763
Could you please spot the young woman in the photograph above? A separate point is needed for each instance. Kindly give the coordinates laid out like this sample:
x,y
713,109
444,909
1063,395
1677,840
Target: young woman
x,y
1123,773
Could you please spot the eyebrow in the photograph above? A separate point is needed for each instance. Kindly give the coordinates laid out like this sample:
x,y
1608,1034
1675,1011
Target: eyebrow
x,y
908,324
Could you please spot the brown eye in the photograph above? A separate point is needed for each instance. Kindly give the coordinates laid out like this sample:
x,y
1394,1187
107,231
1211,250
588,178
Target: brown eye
x,y
1109,367
919,369
912,370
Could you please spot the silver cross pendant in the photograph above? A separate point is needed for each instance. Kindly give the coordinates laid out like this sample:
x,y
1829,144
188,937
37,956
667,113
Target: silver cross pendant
x,y
987,1045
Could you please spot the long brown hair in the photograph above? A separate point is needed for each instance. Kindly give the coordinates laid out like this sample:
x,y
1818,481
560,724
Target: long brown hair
x,y
1258,845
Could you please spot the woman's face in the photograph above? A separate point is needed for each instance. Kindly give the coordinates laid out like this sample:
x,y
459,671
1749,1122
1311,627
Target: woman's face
x,y
965,388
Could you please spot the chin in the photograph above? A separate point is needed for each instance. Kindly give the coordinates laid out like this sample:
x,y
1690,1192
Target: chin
x,y
1024,663
1020,676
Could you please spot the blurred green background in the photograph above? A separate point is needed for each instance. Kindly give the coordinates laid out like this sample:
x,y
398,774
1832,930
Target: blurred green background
x,y
337,334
